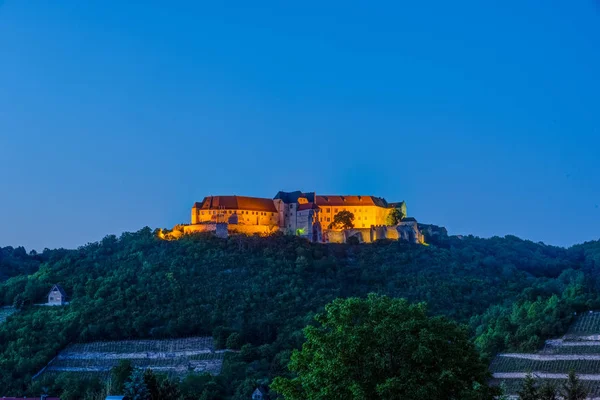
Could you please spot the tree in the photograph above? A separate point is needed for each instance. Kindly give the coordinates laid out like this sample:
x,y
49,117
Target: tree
x,y
573,389
529,391
342,220
169,390
135,387
152,384
384,348
396,214
548,391
120,374
234,341
503,392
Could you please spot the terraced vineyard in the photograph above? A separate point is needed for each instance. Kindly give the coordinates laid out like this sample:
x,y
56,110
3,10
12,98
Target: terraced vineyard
x,y
588,324
5,312
578,350
177,357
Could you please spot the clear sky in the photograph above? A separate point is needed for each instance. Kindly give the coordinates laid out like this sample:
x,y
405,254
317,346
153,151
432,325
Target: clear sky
x,y
483,115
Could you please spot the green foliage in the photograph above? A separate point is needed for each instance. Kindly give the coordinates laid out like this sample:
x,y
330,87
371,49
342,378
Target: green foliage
x,y
548,391
394,217
342,220
135,387
383,348
152,385
160,387
530,390
120,374
513,293
525,325
503,392
573,389
16,261
234,341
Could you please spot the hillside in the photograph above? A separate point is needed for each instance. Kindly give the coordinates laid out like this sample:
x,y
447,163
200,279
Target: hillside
x,y
577,350
172,357
261,291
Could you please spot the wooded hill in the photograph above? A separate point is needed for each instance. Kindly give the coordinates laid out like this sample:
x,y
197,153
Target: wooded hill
x,y
258,293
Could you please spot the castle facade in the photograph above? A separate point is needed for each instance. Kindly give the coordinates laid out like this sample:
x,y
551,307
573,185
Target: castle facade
x,y
304,214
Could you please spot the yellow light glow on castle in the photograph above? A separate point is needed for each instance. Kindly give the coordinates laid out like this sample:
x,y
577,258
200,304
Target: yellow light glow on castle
x,y
303,214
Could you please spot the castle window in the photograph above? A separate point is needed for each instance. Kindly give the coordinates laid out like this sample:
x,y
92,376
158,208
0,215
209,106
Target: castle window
x,y
327,210
291,206
335,210
328,219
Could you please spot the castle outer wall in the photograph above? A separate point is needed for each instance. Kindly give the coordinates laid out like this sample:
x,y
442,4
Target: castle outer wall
x,y
303,214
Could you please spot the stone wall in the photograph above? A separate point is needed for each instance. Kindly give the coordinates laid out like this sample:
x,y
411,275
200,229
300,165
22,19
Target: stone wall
x,y
364,235
231,228
262,230
407,232
222,230
198,228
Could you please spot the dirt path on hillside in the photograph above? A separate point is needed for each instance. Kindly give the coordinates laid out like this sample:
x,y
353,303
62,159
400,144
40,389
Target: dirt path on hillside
x,y
144,355
550,357
543,375
562,343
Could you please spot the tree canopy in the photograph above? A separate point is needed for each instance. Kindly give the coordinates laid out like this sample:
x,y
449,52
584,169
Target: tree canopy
x,y
394,217
259,293
342,220
384,348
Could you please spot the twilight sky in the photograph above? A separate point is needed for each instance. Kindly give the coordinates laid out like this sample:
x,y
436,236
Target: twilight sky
x,y
483,115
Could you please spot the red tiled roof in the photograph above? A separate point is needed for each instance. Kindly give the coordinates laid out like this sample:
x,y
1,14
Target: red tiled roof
x,y
236,203
345,201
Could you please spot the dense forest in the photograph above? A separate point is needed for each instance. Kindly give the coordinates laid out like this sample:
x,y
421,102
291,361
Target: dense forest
x,y
258,293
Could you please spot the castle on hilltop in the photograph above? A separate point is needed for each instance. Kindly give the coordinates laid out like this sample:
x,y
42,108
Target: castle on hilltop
x,y
304,214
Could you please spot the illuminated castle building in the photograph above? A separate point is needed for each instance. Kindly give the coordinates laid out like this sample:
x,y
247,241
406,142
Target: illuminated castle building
x,y
304,214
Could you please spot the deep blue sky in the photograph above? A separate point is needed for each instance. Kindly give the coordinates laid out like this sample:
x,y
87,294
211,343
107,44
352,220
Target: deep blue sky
x,y
484,117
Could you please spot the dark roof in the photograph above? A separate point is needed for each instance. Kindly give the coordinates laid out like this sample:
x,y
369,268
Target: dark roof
x,y
396,204
262,390
236,203
345,201
409,219
60,289
292,197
